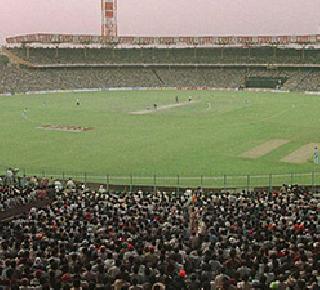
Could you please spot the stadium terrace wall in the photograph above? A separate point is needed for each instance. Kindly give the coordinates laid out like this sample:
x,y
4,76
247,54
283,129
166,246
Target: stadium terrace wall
x,y
153,88
206,41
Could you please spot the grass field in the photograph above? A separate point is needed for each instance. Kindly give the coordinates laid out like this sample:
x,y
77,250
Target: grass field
x,y
190,140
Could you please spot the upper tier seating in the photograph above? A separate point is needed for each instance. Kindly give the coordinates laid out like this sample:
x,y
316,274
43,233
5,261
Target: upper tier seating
x,y
168,55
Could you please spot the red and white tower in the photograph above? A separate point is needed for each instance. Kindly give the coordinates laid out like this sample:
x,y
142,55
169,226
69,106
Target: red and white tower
x,y
109,18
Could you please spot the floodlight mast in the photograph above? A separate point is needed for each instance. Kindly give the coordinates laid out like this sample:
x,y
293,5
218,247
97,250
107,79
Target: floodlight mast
x,y
109,25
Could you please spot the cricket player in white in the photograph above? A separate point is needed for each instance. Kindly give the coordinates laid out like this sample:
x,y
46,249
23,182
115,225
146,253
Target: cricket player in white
x,y
315,155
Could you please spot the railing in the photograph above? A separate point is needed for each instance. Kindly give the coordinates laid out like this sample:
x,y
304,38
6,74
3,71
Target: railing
x,y
222,182
168,65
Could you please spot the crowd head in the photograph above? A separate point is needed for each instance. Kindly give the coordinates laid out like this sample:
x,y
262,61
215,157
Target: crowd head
x,y
94,239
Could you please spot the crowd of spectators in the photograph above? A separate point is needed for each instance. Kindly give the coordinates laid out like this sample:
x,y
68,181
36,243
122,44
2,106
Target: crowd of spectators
x,y
16,191
12,196
94,239
305,81
206,77
169,55
23,79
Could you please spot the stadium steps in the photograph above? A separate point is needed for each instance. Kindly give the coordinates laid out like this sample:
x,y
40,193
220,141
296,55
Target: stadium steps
x,y
158,77
14,59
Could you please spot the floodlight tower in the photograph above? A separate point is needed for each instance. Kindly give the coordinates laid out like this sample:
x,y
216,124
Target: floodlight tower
x,y
109,25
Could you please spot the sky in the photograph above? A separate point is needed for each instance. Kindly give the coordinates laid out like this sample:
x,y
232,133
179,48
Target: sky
x,y
163,17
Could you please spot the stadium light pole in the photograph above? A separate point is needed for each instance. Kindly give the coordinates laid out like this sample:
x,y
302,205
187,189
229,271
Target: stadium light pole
x,y
109,26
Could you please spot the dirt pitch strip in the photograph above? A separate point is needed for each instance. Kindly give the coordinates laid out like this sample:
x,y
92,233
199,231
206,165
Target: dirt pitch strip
x,y
301,155
64,128
264,148
162,108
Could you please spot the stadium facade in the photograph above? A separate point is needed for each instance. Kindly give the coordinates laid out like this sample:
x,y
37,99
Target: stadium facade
x,y
207,41
109,37
275,62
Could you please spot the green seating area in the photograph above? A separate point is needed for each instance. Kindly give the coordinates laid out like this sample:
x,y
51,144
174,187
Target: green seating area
x,y
4,59
254,55
265,82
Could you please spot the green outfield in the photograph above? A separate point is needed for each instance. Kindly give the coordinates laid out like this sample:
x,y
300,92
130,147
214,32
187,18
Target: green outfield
x,y
217,134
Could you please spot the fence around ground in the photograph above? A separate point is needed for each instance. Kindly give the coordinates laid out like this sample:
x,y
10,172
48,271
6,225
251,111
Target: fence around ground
x,y
222,182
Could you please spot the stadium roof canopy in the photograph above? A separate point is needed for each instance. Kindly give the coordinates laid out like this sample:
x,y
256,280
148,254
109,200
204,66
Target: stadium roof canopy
x,y
203,41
